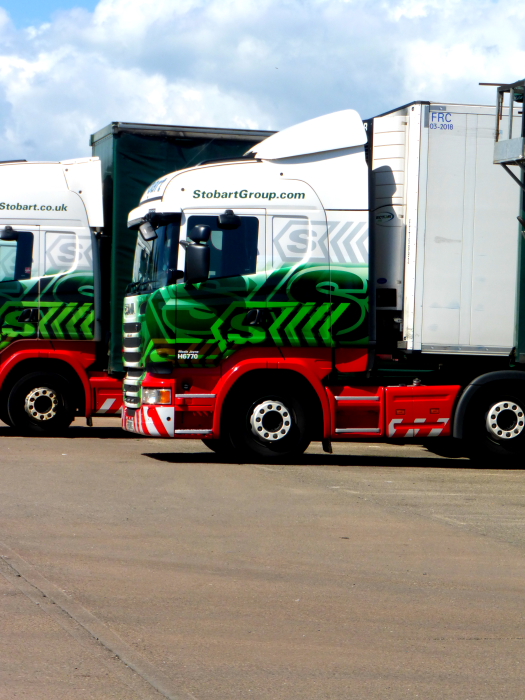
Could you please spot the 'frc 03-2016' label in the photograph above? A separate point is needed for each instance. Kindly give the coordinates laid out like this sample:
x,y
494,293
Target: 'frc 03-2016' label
x,y
441,120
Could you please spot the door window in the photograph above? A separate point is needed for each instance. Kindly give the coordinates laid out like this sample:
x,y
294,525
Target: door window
x,y
7,260
60,253
232,252
16,258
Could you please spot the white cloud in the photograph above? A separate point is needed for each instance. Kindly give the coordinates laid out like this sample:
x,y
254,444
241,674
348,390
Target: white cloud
x,y
244,63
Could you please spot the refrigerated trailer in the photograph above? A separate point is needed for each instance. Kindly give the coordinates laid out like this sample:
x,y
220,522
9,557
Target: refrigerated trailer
x,y
66,258
341,281
444,231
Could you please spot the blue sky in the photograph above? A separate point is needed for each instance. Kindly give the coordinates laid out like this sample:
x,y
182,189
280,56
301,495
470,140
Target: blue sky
x,y
25,13
69,68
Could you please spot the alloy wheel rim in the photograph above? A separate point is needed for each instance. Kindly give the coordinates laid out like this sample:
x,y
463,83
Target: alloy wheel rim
x,y
505,420
41,403
271,421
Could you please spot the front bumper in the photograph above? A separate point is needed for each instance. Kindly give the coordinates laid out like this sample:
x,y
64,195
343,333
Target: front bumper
x,y
159,421
153,421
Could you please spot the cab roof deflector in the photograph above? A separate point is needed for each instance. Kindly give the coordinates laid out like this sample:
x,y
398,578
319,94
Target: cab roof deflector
x,y
327,133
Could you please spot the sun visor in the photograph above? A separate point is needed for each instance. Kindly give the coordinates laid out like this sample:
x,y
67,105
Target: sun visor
x,y
328,133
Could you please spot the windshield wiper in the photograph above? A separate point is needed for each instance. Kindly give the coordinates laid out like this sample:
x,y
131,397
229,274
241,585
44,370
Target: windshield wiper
x,y
132,286
137,286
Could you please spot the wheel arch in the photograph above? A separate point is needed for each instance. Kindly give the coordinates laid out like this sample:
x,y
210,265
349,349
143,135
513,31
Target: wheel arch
x,y
280,377
52,366
475,388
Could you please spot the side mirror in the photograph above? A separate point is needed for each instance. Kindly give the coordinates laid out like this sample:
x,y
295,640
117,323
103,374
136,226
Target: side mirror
x,y
200,234
197,263
147,231
9,234
229,221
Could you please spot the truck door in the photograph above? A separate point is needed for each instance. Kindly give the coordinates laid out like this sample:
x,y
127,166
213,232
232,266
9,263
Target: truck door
x,y
66,284
299,286
19,284
226,312
318,292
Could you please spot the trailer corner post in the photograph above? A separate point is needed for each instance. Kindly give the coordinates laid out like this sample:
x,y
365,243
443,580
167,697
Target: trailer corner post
x,y
511,151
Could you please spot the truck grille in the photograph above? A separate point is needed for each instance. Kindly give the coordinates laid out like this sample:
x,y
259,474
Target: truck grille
x,y
131,343
133,357
135,373
132,389
133,401
132,328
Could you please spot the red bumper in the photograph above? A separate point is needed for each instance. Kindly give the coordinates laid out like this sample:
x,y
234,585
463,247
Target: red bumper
x,y
159,421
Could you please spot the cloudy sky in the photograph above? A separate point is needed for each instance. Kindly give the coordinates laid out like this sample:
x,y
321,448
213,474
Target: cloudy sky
x,y
68,68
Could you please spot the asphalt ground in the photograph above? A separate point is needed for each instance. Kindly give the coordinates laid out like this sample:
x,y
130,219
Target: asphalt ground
x,y
142,568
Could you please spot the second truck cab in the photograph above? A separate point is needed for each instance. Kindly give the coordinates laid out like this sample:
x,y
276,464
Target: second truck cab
x,y
50,295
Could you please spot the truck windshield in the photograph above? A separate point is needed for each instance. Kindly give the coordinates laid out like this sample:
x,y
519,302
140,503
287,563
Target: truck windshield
x,y
154,259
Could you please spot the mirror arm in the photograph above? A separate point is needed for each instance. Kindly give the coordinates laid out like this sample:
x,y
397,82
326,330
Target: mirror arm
x,y
9,234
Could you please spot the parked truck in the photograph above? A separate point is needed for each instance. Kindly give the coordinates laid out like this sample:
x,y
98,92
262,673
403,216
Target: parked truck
x,y
342,280
66,258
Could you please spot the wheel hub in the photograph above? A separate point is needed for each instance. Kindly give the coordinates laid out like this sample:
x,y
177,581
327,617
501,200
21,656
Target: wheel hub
x,y
270,421
41,403
505,420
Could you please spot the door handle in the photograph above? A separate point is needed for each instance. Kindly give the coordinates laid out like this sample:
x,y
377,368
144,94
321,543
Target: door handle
x,y
257,317
30,316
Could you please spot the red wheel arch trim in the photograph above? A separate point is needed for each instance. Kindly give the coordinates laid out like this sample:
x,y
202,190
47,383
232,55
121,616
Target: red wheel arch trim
x,y
77,355
301,366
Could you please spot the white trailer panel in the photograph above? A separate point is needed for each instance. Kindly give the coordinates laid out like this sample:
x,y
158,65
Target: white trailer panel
x,y
445,228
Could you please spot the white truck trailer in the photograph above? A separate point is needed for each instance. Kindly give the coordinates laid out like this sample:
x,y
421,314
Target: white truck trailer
x,y
444,230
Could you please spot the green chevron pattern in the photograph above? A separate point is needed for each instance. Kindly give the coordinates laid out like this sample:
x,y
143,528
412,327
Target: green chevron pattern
x,y
303,306
65,303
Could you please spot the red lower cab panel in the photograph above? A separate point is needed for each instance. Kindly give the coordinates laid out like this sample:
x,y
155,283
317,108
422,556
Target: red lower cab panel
x,y
356,411
392,411
197,398
106,394
420,411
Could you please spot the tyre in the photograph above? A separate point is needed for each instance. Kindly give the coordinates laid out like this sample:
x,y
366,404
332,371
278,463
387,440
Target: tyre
x,y
219,446
269,422
4,416
40,404
448,447
495,424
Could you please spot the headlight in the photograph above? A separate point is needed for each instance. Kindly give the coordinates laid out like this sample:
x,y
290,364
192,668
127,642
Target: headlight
x,y
162,396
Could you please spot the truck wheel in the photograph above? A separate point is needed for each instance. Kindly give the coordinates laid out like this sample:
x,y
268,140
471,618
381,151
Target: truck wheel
x,y
269,423
40,404
496,425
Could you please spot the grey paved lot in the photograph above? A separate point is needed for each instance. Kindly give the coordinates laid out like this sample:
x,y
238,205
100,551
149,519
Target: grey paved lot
x,y
134,568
